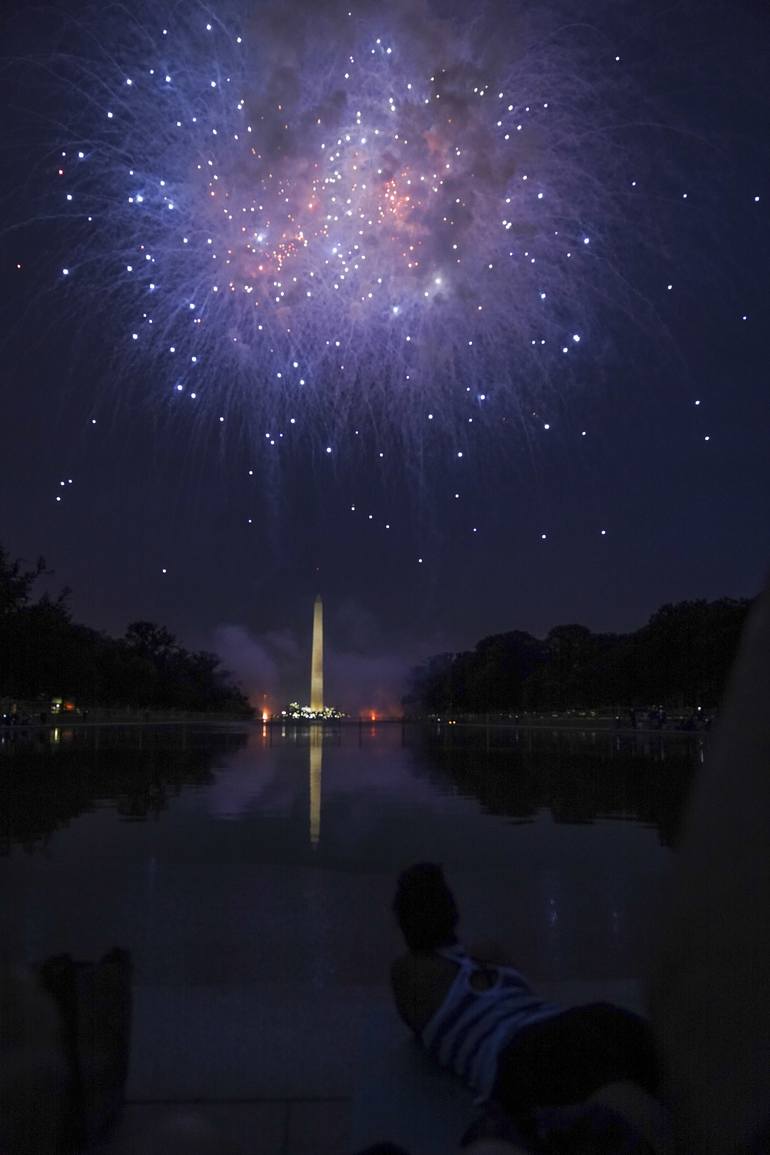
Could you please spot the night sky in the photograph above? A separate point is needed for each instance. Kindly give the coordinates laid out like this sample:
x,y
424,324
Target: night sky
x,y
593,485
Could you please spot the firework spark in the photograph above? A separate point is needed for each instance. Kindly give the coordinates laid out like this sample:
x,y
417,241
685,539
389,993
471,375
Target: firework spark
x,y
350,217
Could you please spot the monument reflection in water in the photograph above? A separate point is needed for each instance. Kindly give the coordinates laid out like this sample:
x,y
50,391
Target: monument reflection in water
x,y
316,766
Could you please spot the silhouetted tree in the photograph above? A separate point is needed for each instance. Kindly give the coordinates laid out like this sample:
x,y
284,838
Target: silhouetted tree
x,y
680,658
43,653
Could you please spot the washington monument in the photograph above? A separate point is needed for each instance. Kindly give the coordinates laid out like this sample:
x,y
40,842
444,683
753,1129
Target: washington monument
x,y
317,658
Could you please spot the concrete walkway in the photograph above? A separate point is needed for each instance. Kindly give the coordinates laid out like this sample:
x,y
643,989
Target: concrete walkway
x,y
274,1071
257,1127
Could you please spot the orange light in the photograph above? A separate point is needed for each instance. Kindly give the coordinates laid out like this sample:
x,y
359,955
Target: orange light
x,y
372,717
265,716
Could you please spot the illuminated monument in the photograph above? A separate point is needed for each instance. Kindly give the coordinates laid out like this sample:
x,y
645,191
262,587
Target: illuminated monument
x,y
316,733
317,659
316,711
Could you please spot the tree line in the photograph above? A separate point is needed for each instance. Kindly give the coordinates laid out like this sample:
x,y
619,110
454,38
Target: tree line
x,y
679,659
44,653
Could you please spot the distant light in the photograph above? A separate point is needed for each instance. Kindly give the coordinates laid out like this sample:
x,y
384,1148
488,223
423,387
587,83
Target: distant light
x,y
576,337
419,560
459,453
546,426
586,240
756,200
163,571
604,533
707,438
328,448
697,402
65,272
543,536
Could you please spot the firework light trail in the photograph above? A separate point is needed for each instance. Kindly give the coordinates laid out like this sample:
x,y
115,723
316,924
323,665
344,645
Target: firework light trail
x,y
344,215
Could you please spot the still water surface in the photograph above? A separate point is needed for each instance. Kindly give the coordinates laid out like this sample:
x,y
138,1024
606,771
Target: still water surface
x,y
239,855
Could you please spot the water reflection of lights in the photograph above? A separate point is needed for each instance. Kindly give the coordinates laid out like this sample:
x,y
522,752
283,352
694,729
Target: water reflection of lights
x,y
316,765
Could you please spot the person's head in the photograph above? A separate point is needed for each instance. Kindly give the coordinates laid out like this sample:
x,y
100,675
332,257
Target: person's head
x,y
425,908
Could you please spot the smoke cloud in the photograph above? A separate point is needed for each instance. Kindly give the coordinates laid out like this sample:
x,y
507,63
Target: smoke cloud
x,y
274,668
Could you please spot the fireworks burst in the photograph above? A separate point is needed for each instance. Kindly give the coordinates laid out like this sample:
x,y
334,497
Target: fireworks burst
x,y
357,216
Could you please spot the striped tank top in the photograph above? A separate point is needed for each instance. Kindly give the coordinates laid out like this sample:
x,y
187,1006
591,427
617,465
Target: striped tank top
x,y
471,1027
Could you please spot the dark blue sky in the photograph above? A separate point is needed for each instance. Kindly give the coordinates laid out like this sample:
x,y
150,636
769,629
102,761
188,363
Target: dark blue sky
x,y
685,517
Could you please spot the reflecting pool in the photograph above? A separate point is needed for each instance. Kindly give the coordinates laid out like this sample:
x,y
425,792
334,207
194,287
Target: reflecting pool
x,y
238,855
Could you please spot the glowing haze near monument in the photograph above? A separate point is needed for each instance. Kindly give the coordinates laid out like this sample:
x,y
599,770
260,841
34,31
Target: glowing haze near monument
x,y
346,216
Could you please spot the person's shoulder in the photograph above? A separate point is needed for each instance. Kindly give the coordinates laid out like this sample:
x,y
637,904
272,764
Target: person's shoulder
x,y
397,966
403,968
411,969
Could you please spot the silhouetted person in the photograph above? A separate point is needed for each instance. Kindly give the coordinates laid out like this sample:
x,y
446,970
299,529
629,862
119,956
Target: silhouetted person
x,y
710,991
480,1019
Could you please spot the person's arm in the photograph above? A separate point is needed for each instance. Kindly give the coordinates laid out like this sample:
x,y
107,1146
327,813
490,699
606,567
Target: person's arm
x,y
420,984
403,987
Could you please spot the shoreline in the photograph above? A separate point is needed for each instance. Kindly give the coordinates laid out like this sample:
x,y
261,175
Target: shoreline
x,y
604,725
